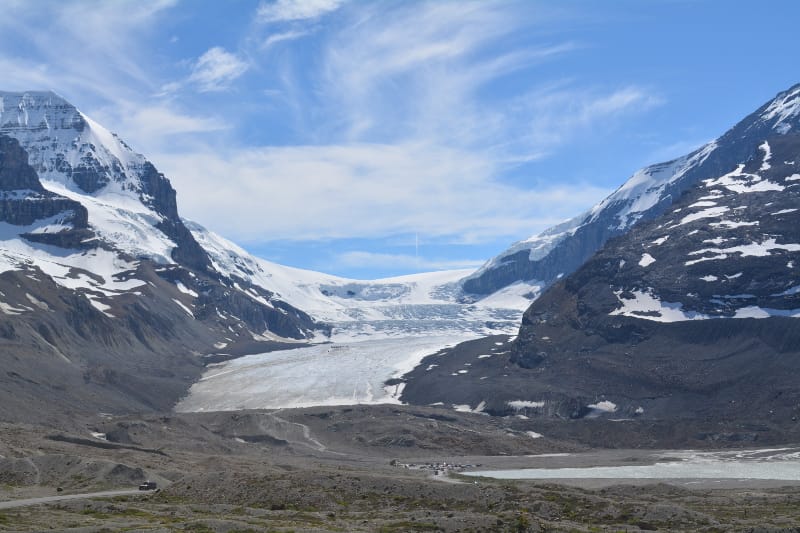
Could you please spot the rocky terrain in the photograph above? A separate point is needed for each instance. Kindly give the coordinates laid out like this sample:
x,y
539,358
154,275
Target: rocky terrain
x,y
338,469
111,302
691,315
89,325
669,322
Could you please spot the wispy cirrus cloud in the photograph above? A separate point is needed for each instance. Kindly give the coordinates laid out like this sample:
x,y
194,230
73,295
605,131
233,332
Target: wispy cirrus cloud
x,y
149,128
87,47
434,72
216,70
371,191
292,10
276,38
556,115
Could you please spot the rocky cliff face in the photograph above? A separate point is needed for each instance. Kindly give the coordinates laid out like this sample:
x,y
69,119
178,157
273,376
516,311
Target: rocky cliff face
x,y
68,150
15,172
692,313
24,202
107,301
646,195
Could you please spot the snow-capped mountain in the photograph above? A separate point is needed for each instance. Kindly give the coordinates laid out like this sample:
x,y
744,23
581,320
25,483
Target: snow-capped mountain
x,y
419,304
124,194
116,298
127,210
560,250
693,314
106,298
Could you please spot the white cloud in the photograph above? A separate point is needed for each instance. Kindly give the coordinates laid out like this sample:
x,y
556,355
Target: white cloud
x,y
20,75
149,128
288,10
216,69
168,121
559,113
275,38
366,260
88,47
362,191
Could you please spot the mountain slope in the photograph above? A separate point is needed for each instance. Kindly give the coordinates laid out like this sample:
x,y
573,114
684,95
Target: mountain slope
x,y
694,313
691,314
79,159
110,301
107,301
647,194
419,304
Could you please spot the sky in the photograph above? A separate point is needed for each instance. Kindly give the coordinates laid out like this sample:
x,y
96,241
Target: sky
x,y
378,138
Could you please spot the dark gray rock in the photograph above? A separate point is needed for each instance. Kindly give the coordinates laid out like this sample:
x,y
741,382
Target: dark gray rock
x,y
614,217
71,346
23,200
728,246
15,172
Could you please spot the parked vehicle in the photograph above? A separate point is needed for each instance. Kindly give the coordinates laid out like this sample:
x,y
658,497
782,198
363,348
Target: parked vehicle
x,y
148,485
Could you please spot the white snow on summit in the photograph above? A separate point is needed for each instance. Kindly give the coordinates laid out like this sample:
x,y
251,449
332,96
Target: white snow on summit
x,y
784,107
61,143
628,204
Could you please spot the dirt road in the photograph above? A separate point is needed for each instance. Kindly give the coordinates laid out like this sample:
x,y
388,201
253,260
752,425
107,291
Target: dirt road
x,y
50,499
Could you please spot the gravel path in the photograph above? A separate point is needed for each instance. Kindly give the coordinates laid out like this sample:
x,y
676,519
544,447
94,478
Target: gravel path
x,y
49,499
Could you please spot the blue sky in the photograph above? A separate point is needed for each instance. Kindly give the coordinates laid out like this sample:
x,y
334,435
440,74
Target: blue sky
x,y
370,139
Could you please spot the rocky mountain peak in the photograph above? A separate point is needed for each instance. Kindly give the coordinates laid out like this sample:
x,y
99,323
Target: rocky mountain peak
x,y
43,110
648,193
77,158
107,297
783,112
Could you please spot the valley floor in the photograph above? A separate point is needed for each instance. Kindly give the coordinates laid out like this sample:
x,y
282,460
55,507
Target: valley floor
x,y
358,468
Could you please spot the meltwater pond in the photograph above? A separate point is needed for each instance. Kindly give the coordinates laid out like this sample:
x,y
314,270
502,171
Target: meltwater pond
x,y
780,464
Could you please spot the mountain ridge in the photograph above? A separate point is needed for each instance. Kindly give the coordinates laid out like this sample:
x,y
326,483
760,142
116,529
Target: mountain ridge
x,y
649,192
107,300
688,315
154,298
